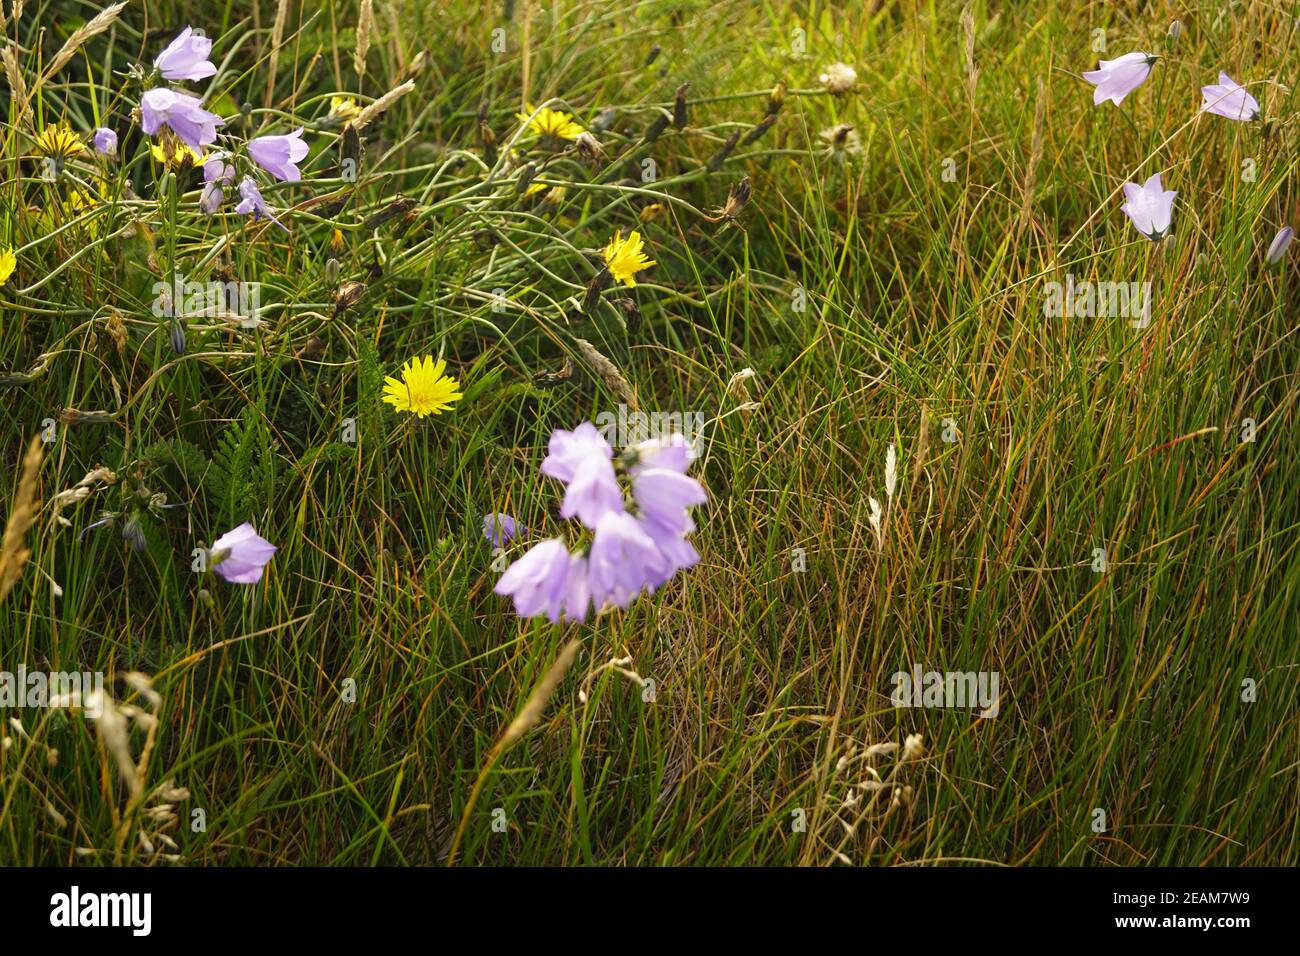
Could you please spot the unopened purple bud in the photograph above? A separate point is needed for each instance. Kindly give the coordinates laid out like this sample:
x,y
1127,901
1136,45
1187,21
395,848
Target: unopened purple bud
x,y
500,529
105,141
1278,247
177,335
211,198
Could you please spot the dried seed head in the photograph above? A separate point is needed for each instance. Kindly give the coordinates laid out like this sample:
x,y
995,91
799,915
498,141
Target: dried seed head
x,y
913,747
891,472
348,295
417,65
142,684
589,148
608,373
838,79
488,140
737,199
842,141
371,112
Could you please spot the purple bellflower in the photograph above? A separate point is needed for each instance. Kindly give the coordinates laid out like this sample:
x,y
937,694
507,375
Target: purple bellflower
x,y
1116,79
278,154
1229,99
183,113
105,141
1150,206
186,58
240,555
251,203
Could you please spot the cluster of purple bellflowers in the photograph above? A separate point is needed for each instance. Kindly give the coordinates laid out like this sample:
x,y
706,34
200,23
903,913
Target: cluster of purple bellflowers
x,y
167,108
637,537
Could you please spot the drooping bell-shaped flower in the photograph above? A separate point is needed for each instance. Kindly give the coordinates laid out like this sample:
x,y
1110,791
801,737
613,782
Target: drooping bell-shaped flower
x,y
582,460
186,57
1150,206
1116,79
240,555
182,113
251,203
623,561
1229,99
548,580
278,154
500,529
663,495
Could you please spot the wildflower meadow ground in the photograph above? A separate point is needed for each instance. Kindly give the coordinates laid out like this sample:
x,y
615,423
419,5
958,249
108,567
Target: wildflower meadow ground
x,y
663,432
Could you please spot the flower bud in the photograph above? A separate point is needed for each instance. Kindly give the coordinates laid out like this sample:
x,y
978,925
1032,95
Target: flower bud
x,y
177,335
776,99
679,106
1278,247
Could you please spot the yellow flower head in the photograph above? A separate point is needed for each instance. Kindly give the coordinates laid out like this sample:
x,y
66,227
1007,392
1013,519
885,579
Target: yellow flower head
x,y
7,263
344,108
177,155
423,390
626,257
59,142
554,123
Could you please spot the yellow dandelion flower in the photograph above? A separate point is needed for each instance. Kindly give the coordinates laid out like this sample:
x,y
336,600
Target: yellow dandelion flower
x,y
626,257
176,155
555,123
59,142
344,108
423,389
8,262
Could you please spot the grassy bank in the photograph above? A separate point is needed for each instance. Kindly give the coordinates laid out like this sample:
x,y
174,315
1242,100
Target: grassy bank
x,y
1075,507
